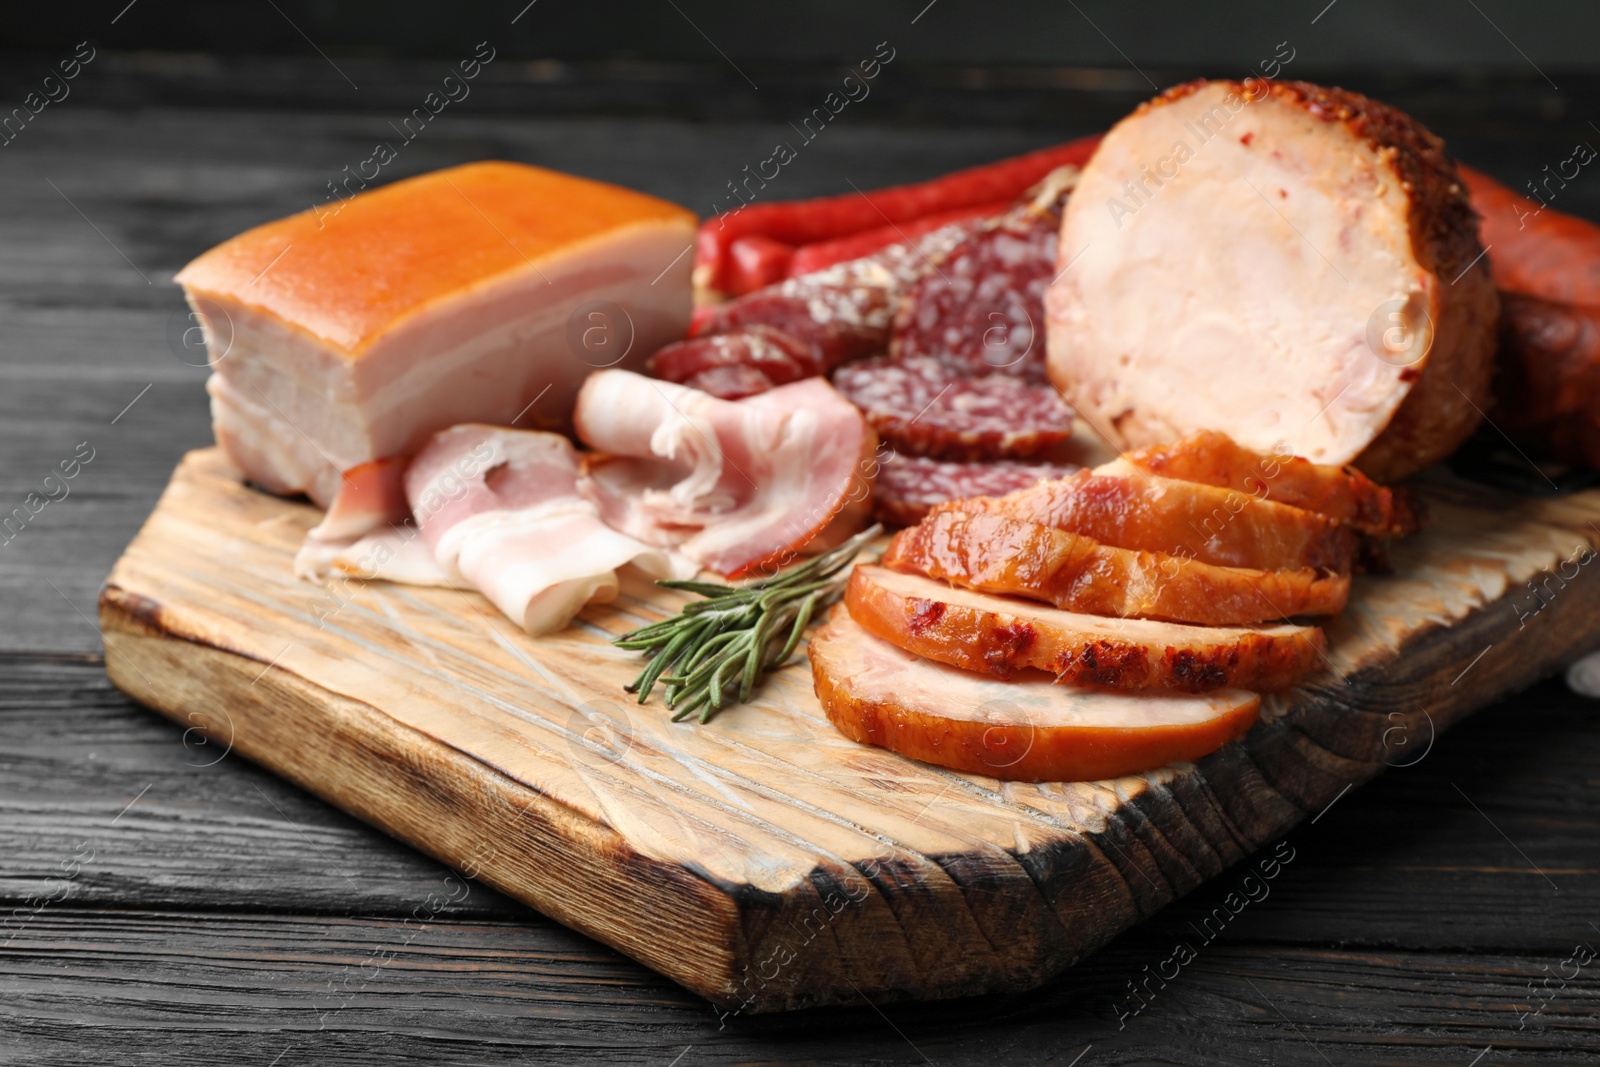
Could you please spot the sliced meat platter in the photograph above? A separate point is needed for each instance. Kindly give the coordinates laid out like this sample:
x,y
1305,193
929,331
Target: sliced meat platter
x,y
1136,406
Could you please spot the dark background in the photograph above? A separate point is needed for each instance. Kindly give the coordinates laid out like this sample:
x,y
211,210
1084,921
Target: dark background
x,y
1511,86
1483,35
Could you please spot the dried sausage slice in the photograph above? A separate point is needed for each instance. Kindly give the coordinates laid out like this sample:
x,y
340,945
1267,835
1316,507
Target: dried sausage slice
x,y
908,487
1028,730
1000,636
922,407
803,326
982,310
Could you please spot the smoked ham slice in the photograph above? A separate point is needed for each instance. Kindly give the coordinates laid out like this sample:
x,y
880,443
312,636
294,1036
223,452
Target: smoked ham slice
x,y
482,293
1289,264
999,636
999,554
733,485
1128,508
1022,730
1340,493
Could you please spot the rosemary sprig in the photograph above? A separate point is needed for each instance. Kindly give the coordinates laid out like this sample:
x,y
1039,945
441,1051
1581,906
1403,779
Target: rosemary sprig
x,y
726,640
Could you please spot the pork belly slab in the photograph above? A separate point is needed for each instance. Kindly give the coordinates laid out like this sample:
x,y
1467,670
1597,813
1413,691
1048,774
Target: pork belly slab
x,y
482,293
1295,266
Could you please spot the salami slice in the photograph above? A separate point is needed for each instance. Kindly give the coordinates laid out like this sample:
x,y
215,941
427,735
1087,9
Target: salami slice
x,y
982,311
922,407
807,325
908,487
735,365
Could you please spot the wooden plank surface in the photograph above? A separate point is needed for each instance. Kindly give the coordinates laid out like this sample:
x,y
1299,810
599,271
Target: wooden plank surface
x,y
1445,917
766,862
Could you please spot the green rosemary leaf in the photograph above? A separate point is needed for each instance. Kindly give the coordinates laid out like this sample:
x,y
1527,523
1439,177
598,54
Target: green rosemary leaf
x,y
665,658
689,585
719,645
801,621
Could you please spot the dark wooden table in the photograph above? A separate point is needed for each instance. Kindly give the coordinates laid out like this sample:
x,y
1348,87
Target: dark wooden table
x,y
175,904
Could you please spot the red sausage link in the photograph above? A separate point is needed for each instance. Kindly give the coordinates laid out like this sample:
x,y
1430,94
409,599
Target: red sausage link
x,y
822,254
1533,250
801,222
757,261
1547,390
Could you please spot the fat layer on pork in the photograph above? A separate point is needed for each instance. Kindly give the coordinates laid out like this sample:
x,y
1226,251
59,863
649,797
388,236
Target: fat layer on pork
x,y
483,293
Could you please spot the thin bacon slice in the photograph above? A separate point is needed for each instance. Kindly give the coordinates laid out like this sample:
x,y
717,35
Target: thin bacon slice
x,y
395,553
1342,493
1133,509
999,554
734,486
1023,730
371,496
501,509
1001,636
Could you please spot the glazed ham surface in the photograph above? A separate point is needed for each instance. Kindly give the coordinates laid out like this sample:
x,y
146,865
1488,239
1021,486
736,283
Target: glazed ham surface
x,y
1000,554
1002,636
1027,729
1298,267
466,295
1342,494
1129,508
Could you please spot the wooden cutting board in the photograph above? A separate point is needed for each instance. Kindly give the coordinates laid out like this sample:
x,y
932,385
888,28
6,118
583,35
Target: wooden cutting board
x,y
764,861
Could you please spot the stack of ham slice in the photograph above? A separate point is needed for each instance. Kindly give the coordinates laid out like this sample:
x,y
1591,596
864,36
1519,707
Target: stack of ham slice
x,y
1134,588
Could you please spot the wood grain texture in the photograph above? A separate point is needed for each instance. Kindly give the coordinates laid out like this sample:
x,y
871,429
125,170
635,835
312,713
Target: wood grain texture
x,y
323,991
766,863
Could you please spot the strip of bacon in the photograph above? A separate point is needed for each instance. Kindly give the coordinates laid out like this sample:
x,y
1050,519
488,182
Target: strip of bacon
x,y
733,485
371,496
999,554
501,509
